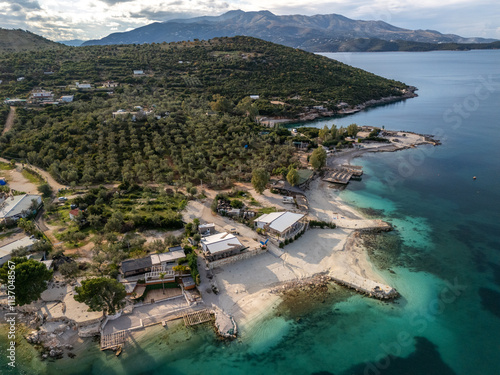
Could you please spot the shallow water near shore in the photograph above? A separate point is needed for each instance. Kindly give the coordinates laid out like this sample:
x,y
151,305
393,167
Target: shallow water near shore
x,y
443,256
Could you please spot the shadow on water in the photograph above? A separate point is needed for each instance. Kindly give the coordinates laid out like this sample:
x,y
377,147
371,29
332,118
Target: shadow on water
x,y
490,300
424,360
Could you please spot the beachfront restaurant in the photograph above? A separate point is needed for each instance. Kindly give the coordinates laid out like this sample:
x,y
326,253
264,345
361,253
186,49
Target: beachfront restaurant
x,y
282,225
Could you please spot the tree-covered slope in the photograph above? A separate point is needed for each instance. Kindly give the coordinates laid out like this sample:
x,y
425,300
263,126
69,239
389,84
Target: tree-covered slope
x,y
178,138
233,67
20,40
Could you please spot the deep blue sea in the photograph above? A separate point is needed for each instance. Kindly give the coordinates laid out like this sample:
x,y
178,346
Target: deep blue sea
x,y
444,254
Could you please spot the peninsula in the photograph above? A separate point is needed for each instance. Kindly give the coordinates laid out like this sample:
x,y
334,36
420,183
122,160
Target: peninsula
x,y
152,190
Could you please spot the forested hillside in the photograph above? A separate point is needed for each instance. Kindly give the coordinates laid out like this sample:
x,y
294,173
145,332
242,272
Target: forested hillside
x,y
191,114
20,40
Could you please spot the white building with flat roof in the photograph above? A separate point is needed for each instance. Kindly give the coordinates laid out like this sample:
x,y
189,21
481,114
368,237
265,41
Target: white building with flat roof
x,y
168,258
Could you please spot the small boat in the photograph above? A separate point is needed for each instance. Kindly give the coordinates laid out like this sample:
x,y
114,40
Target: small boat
x,y
119,351
474,177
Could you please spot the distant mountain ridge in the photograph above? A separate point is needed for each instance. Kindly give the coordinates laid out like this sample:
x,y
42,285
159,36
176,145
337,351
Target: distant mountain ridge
x,y
21,41
72,42
312,33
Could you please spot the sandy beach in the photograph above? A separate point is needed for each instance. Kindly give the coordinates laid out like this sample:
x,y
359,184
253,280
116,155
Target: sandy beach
x,y
247,288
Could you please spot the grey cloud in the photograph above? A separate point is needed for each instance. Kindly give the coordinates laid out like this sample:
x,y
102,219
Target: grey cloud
x,y
113,2
27,4
162,15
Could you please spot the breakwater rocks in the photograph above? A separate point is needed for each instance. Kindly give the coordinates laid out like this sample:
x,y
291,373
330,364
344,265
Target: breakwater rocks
x,y
314,282
349,279
367,287
224,324
49,345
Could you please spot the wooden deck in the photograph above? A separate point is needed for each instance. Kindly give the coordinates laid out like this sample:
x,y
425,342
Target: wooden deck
x,y
113,340
338,176
197,317
343,174
355,169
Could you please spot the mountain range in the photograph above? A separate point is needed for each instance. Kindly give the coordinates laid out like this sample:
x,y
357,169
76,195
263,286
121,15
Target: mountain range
x,y
319,33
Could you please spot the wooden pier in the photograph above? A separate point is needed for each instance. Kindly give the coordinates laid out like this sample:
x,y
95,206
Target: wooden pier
x,y
343,174
356,170
338,176
197,317
113,340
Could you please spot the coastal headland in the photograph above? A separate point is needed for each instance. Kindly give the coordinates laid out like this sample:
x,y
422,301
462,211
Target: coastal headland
x,y
243,293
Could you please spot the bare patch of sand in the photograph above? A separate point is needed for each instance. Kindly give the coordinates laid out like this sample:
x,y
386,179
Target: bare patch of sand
x,y
17,181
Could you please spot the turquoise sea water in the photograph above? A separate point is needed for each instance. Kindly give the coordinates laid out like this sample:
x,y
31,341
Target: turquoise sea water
x,y
444,254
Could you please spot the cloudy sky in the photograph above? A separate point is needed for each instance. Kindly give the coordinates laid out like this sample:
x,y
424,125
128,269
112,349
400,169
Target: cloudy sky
x,y
90,19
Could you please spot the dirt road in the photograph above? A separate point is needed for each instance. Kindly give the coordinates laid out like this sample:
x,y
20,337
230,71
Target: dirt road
x,y
10,120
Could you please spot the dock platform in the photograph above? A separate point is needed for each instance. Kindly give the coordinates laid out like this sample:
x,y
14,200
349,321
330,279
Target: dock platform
x,y
343,174
197,317
113,340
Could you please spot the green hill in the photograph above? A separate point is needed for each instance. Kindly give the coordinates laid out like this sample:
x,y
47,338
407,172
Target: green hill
x,y
20,41
199,121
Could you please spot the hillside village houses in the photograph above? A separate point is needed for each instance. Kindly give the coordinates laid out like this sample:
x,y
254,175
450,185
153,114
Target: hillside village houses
x,y
110,84
67,98
20,206
40,96
83,85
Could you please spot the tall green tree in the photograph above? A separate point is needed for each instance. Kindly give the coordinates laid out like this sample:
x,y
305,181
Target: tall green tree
x,y
101,293
352,130
220,104
162,278
324,133
293,177
27,225
260,178
30,279
318,158
45,189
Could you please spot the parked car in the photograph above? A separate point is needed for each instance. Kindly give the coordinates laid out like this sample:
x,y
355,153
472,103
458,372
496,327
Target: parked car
x,y
63,199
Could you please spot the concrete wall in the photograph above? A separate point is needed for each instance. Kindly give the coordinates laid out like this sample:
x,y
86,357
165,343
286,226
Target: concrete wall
x,y
236,258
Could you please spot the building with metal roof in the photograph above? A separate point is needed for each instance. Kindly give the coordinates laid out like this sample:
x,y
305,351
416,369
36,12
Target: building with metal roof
x,y
220,245
282,224
19,206
132,267
6,250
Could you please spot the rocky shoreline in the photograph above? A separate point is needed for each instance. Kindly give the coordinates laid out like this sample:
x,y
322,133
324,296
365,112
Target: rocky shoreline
x,y
315,114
